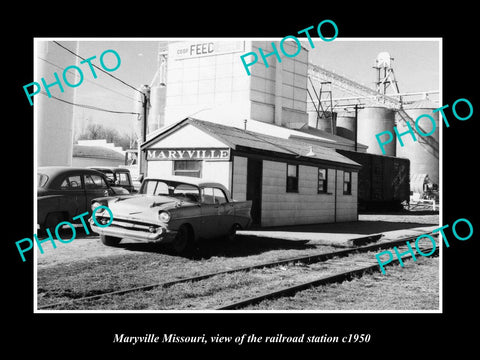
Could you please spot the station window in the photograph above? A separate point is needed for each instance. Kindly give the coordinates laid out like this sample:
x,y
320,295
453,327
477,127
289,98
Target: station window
x,y
322,180
292,178
347,183
192,168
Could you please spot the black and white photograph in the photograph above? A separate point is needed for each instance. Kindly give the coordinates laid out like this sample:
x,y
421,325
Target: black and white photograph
x,y
239,175
294,181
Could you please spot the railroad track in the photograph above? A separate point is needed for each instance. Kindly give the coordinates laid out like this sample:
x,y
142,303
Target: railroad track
x,y
367,265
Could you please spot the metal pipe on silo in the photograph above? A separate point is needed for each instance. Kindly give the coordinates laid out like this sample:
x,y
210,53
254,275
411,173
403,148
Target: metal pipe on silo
x,y
156,115
372,121
278,93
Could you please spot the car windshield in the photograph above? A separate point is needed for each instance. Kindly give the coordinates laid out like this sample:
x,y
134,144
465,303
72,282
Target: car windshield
x,y
108,173
170,188
110,176
41,180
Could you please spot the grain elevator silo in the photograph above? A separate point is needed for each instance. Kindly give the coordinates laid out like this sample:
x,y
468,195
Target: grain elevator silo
x,y
325,121
55,114
346,125
423,153
372,121
158,92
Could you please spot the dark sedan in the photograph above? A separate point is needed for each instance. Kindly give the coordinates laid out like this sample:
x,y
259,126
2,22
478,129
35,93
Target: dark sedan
x,y
65,192
117,176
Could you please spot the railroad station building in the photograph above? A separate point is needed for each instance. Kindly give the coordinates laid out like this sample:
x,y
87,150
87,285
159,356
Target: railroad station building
x,y
209,119
289,180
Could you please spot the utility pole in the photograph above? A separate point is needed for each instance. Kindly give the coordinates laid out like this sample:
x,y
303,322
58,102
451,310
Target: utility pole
x,y
356,107
145,123
356,125
142,156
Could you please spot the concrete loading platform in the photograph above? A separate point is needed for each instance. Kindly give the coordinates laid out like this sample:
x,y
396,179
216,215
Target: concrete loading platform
x,y
348,234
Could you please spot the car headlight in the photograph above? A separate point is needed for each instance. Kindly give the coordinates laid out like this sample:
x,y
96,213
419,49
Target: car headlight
x,y
96,205
164,216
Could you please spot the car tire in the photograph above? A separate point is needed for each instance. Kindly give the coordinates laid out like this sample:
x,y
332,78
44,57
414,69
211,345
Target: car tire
x,y
110,240
183,241
51,222
232,233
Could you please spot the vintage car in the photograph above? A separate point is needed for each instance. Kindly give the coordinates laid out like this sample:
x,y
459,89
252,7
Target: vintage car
x,y
117,176
64,192
177,211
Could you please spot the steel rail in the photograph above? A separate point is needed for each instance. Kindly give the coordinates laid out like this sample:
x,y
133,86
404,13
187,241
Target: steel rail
x,y
308,259
291,290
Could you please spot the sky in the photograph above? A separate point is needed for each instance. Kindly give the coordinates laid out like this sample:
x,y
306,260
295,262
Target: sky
x,y
138,67
416,62
416,65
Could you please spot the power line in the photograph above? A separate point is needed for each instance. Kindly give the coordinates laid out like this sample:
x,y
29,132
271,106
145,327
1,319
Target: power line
x,y
123,82
91,106
92,82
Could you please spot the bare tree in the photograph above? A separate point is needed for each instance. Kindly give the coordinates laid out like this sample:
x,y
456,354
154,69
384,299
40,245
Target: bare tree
x,y
98,131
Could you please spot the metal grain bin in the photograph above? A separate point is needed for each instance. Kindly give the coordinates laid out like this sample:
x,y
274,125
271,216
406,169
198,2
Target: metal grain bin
x,y
372,121
326,121
346,125
424,153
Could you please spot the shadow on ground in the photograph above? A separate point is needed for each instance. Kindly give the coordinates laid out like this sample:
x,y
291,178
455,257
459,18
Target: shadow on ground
x,y
243,245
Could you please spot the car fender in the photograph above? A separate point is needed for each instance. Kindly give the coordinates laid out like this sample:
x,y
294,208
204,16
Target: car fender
x,y
55,203
190,216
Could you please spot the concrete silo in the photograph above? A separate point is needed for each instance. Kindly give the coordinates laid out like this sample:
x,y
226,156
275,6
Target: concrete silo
x,y
158,92
423,153
55,115
372,121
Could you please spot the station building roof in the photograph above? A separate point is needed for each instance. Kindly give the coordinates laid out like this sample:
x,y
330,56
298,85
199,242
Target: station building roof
x,y
250,141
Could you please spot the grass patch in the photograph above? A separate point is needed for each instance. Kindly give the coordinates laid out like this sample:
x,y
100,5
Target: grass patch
x,y
94,275
206,294
413,287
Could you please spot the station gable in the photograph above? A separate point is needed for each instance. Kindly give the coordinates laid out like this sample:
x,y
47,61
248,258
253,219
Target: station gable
x,y
187,136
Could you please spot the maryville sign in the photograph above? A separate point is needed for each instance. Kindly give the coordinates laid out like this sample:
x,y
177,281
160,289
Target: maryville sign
x,y
189,154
